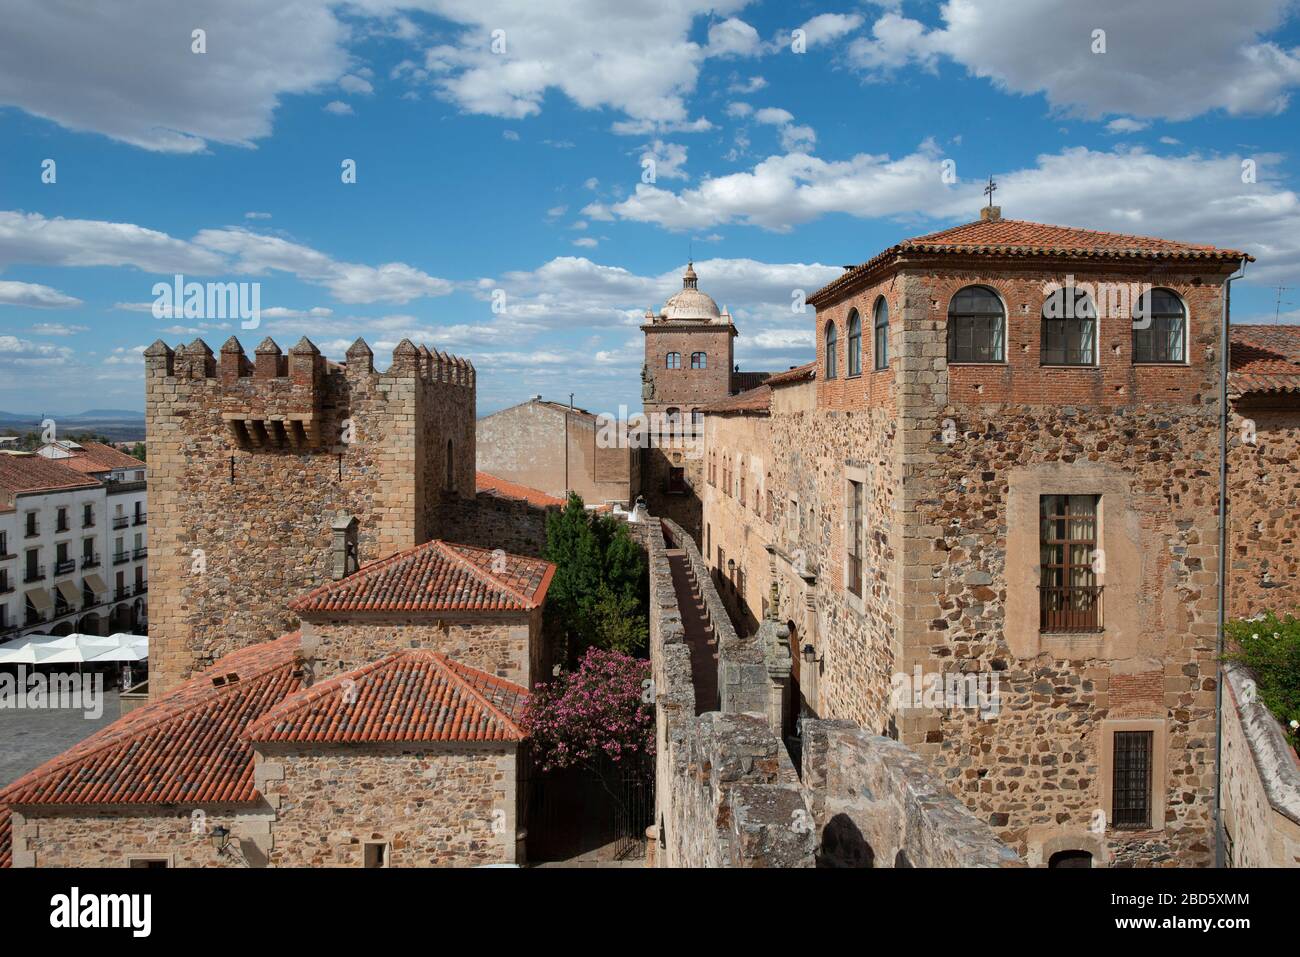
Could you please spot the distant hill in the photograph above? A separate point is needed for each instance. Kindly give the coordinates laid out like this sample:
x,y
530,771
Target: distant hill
x,y
117,425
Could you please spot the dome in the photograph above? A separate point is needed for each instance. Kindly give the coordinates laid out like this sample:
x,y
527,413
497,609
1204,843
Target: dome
x,y
690,303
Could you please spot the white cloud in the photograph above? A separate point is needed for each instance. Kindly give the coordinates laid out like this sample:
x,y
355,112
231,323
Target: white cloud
x,y
830,26
34,295
751,85
739,110
134,78
669,158
733,38
56,329
23,352
1125,124
773,116
351,83
1216,58
510,135
635,58
587,242
338,108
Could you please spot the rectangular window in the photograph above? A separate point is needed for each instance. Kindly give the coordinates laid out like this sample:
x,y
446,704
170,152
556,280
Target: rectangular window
x,y
4,543
699,360
708,539
32,528
1131,784
853,538
1161,342
61,524
376,855
87,515
1069,596
676,479
975,338
1068,342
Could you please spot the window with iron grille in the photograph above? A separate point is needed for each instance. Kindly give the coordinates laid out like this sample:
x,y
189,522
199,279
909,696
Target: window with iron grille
x,y
1069,596
1131,784
1069,329
853,534
1162,337
855,343
976,326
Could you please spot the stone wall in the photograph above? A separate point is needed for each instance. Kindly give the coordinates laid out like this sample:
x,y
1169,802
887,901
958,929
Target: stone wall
x,y
112,837
1260,781
876,803
1263,502
436,806
249,462
508,645
494,521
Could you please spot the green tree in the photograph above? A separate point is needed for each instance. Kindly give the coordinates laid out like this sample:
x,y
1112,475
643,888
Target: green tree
x,y
598,596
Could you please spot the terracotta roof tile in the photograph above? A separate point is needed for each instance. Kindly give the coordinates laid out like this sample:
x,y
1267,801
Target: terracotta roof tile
x,y
437,576
801,373
499,486
754,401
1014,238
185,748
411,695
33,473
98,457
1265,359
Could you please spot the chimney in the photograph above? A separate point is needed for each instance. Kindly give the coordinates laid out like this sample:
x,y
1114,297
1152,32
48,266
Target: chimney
x,y
991,214
343,546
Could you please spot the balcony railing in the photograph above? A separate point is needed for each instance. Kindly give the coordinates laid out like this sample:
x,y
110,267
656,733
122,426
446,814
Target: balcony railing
x,y
1069,608
141,518
90,561
121,592
33,618
32,530
88,522
120,558
141,552
63,566
141,588
121,521
6,586
61,526
34,574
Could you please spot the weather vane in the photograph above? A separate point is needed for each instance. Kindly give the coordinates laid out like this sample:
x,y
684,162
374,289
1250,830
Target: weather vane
x,y
989,190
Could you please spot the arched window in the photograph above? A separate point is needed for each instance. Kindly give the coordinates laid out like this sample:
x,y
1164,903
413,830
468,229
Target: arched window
x,y
673,415
855,343
831,349
699,360
674,360
1069,328
881,322
1160,328
976,326
697,418
450,483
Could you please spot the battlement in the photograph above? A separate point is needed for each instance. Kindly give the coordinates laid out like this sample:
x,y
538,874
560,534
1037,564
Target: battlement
x,y
277,401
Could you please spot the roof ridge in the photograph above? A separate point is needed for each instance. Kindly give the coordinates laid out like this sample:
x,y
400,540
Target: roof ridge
x,y
449,549
451,667
313,693
1071,229
360,574
58,762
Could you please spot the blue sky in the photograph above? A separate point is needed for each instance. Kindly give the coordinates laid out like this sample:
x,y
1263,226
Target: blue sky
x,y
521,169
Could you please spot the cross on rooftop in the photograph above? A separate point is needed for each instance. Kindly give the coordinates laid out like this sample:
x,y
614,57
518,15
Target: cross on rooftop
x,y
989,190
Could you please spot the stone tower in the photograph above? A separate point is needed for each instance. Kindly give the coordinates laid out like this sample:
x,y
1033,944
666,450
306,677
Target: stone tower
x,y
689,362
251,465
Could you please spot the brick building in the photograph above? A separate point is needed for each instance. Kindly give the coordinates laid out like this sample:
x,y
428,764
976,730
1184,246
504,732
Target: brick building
x,y
994,472
689,363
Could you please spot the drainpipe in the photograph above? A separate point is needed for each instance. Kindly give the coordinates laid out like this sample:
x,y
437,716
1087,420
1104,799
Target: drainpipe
x,y
1225,346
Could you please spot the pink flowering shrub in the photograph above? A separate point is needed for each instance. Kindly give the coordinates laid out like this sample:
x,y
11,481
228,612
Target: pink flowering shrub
x,y
606,707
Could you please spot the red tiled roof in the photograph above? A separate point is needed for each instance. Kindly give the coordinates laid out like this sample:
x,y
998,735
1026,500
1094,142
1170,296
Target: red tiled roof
x,y
437,576
35,473
6,838
98,457
410,695
798,374
744,381
183,748
1019,239
753,401
485,482
1265,359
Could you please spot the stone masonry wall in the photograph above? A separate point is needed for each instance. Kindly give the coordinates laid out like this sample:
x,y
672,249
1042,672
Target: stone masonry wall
x,y
1263,501
250,461
491,521
497,643
1261,782
436,806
